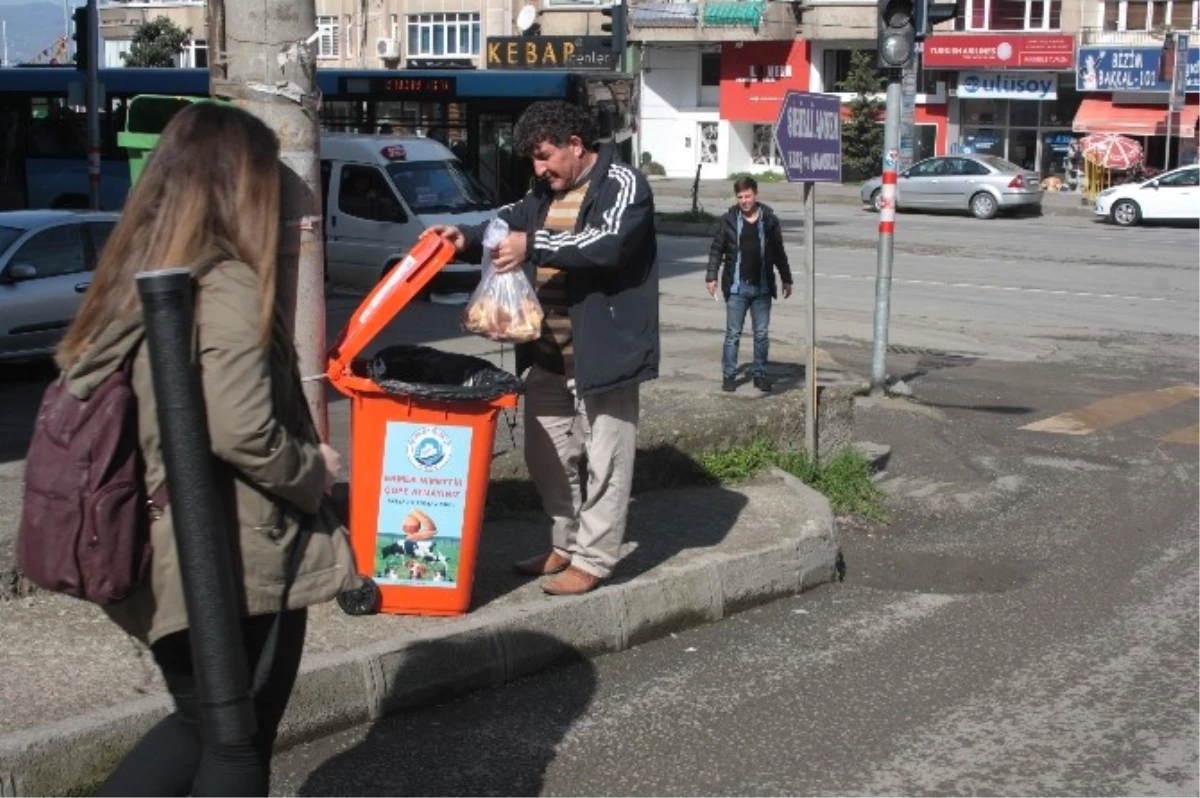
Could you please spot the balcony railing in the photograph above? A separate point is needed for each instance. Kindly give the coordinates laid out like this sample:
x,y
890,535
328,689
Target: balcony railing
x,y
740,14
1123,37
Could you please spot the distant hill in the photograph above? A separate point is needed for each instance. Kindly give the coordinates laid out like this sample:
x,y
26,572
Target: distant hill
x,y
33,26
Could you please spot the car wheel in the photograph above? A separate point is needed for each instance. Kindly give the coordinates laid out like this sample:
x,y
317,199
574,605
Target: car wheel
x,y
877,200
1126,213
984,205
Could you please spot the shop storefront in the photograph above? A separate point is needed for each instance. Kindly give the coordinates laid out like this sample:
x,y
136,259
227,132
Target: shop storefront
x,y
1125,92
1013,98
1029,127
755,77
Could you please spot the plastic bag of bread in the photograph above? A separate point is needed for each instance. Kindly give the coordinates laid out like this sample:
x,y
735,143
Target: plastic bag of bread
x,y
504,307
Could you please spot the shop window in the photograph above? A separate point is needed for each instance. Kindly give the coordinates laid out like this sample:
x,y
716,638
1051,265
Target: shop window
x,y
1023,113
1061,112
984,112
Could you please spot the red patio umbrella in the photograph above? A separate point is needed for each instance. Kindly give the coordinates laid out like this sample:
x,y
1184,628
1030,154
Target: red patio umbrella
x,y
1111,150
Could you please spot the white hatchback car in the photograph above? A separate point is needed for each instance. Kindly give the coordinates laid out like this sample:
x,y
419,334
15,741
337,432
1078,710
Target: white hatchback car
x,y
1173,195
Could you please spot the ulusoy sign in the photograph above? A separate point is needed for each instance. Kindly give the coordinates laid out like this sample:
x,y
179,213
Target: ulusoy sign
x,y
1007,85
809,136
1107,68
550,52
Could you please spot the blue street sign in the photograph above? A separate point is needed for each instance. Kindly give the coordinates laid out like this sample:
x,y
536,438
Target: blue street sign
x,y
809,136
1114,68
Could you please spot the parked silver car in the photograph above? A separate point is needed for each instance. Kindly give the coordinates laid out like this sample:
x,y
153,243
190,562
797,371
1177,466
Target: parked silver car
x,y
46,263
982,185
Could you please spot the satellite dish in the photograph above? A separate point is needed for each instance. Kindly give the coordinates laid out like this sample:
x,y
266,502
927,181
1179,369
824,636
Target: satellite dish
x,y
527,19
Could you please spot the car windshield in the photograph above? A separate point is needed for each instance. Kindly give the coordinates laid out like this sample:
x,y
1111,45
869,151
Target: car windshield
x,y
8,235
438,187
999,163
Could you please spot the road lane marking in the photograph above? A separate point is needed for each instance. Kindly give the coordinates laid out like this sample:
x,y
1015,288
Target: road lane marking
x,y
990,287
1114,410
1187,435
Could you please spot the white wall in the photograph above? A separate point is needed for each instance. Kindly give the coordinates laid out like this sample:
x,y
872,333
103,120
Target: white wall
x,y
672,107
741,146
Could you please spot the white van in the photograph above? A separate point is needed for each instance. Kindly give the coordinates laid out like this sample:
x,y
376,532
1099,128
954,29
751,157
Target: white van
x,y
381,192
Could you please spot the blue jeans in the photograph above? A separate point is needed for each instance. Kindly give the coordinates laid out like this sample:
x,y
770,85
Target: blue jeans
x,y
758,302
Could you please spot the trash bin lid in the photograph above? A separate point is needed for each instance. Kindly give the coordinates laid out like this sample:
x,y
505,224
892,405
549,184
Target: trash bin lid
x,y
402,283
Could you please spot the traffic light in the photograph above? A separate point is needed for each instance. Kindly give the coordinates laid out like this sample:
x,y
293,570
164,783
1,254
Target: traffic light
x,y
897,33
929,13
616,26
82,36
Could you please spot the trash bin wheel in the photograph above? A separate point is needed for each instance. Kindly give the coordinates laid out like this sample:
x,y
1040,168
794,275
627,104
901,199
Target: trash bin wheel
x,y
363,600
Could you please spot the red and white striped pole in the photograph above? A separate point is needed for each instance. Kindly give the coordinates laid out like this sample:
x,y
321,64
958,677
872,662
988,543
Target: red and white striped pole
x,y
887,230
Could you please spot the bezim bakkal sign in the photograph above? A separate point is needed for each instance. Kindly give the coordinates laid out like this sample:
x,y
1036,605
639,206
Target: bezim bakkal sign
x,y
550,52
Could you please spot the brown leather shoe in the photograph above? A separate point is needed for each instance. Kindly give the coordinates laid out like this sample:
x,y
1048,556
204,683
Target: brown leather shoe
x,y
571,582
543,564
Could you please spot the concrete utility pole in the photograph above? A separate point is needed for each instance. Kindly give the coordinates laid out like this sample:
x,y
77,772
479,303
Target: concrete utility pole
x,y
261,57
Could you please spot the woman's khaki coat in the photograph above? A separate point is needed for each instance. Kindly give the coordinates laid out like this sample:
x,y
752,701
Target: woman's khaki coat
x,y
269,468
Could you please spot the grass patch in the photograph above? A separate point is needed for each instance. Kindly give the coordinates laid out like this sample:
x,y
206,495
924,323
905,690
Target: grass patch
x,y
703,217
845,479
761,177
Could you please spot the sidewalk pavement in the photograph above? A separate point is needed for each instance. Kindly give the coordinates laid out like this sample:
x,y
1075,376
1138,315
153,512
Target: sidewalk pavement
x,y
674,194
77,692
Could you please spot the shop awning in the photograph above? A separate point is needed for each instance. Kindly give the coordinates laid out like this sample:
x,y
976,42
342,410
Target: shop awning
x,y
1100,115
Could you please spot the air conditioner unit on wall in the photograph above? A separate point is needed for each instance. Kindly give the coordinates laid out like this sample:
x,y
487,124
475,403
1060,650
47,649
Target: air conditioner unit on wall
x,y
387,48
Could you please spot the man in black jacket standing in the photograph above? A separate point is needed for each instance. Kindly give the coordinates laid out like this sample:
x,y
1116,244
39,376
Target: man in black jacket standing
x,y
586,230
747,249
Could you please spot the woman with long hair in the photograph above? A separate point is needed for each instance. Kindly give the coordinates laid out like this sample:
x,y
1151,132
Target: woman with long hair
x,y
209,199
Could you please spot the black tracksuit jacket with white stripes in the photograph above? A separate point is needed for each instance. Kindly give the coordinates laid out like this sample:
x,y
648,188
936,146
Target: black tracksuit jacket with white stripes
x,y
611,266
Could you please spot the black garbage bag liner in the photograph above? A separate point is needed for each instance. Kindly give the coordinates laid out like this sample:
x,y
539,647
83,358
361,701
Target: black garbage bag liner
x,y
428,373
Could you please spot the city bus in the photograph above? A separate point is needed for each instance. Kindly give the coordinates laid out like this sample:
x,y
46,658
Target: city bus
x,y
43,124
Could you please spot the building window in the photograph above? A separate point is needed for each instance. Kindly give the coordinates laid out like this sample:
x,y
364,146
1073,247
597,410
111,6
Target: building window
x,y
200,53
1140,15
835,66
450,35
328,37
1013,14
710,69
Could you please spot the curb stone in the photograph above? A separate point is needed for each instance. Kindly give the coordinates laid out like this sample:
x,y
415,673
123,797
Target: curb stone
x,y
335,692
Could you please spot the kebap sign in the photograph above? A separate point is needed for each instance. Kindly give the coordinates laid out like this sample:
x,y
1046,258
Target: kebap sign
x,y
809,136
1105,68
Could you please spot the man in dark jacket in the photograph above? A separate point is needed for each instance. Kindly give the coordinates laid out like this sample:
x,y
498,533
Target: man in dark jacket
x,y
747,249
586,231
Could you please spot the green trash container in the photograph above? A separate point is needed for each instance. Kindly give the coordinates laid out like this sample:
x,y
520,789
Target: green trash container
x,y
147,116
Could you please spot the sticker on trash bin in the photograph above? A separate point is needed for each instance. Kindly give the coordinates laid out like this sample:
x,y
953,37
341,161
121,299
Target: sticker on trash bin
x,y
422,500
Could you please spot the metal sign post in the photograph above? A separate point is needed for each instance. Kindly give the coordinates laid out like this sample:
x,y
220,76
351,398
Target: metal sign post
x,y
1178,44
887,229
808,134
908,113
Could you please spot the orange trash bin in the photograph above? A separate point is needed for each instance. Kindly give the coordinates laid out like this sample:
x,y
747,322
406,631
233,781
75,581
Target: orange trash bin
x,y
420,454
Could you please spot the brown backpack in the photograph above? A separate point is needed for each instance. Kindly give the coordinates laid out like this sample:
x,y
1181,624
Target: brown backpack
x,y
85,524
